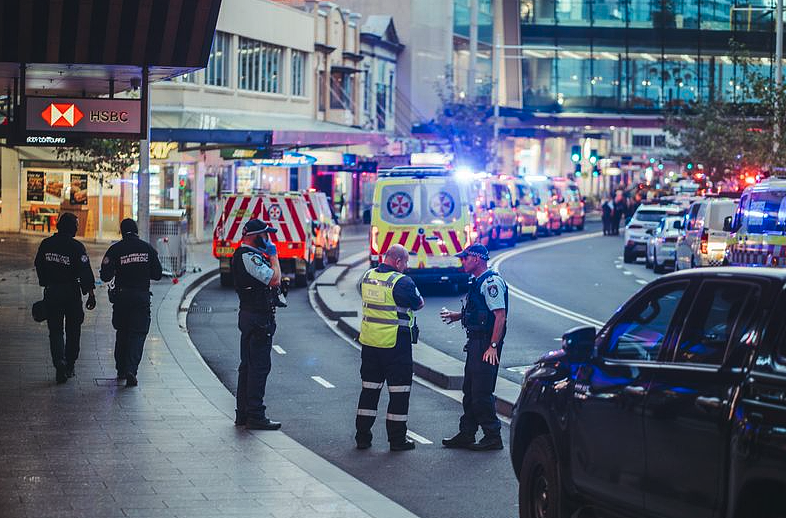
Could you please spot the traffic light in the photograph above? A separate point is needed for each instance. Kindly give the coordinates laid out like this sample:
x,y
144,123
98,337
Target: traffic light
x,y
575,153
595,172
593,158
689,166
577,171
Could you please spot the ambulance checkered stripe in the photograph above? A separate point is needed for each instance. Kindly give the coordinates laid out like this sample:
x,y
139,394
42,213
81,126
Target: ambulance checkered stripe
x,y
447,242
292,217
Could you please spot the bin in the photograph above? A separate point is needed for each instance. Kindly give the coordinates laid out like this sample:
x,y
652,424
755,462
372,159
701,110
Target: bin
x,y
169,234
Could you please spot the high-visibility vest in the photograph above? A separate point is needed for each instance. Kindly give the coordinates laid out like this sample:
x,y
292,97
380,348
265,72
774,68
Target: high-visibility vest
x,y
381,321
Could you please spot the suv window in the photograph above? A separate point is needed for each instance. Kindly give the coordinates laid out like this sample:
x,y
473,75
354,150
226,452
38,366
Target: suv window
x,y
712,320
501,195
640,331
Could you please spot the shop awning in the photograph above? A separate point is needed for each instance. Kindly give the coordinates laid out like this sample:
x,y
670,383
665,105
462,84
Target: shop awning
x,y
243,128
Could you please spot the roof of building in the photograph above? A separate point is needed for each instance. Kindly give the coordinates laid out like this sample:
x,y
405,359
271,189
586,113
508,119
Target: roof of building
x,y
381,26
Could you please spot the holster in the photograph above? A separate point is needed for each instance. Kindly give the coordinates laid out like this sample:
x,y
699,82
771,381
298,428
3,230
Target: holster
x,y
415,332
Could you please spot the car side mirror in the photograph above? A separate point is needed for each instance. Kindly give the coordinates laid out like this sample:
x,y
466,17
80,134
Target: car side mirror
x,y
678,225
492,205
727,224
579,343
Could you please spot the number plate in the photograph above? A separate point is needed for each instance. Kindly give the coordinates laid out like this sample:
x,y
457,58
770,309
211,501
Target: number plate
x,y
442,262
225,250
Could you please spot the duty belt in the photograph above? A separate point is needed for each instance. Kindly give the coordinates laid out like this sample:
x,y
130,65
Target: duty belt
x,y
478,335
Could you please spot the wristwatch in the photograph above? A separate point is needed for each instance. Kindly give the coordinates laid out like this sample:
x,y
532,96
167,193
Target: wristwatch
x,y
493,345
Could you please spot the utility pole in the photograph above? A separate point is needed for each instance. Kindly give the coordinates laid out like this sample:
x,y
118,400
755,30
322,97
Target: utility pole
x,y
143,175
473,48
778,70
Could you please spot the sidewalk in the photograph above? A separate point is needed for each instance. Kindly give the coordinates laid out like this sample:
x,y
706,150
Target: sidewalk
x,y
167,448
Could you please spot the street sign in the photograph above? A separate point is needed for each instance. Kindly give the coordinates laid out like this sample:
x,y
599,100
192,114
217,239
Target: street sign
x,y
86,116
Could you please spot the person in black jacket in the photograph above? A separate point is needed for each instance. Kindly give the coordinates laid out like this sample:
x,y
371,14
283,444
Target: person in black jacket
x,y
63,269
132,263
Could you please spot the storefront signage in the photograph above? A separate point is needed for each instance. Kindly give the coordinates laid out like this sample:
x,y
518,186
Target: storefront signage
x,y
250,154
290,160
78,189
35,186
161,150
110,116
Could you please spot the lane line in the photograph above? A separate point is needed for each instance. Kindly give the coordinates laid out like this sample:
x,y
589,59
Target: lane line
x,y
626,272
642,282
418,438
279,349
322,381
536,301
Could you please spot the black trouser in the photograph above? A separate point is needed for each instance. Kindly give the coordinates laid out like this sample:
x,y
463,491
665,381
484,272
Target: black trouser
x,y
256,341
378,366
131,320
64,305
480,379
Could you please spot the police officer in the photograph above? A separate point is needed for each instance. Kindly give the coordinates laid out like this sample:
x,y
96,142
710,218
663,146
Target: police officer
x,y
63,269
386,334
484,318
257,275
132,262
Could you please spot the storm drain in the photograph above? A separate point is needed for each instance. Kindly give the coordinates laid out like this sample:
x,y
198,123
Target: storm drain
x,y
200,309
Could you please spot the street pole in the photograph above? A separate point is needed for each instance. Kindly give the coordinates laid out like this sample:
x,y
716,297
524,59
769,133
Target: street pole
x,y
473,48
495,75
143,176
778,72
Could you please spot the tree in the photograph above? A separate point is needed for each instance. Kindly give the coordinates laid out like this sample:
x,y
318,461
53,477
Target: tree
x,y
464,123
102,159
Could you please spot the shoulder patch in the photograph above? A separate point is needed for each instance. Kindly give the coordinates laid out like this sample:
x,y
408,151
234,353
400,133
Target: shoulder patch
x,y
106,260
257,260
85,259
493,290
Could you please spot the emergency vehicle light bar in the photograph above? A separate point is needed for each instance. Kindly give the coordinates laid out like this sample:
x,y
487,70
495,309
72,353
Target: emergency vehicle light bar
x,y
417,171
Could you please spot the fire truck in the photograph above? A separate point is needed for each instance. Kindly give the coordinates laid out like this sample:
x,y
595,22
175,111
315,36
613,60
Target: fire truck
x,y
288,213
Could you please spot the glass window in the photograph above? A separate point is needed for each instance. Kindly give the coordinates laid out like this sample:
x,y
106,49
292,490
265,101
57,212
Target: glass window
x,y
501,195
649,215
340,91
640,331
217,70
711,322
298,73
642,140
249,64
765,212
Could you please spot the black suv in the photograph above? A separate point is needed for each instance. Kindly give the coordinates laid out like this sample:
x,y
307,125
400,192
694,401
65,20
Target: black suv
x,y
675,409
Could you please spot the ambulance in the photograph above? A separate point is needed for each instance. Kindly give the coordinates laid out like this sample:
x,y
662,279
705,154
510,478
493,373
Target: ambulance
x,y
427,210
547,203
572,205
495,217
327,233
288,213
758,228
524,198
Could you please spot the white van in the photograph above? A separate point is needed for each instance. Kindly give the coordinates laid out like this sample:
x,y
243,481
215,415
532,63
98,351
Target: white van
x,y
702,240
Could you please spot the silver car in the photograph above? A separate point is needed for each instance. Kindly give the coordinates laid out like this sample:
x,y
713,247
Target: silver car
x,y
645,218
662,243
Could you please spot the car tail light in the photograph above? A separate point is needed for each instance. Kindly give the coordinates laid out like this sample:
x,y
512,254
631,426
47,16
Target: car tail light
x,y
705,239
374,244
671,239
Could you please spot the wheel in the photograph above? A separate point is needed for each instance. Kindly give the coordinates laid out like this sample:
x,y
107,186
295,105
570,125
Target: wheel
x,y
581,226
493,239
514,238
301,280
628,257
226,280
540,488
332,255
647,262
321,261
657,268
311,270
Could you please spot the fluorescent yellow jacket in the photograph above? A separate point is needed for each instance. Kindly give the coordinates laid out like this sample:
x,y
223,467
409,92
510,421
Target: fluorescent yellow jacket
x,y
380,314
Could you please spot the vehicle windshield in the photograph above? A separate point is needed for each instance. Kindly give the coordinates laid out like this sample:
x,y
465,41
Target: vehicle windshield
x,y
423,203
718,213
501,195
572,193
766,211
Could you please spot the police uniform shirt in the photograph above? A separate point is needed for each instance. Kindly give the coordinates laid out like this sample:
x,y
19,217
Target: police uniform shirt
x,y
61,259
132,262
493,290
256,267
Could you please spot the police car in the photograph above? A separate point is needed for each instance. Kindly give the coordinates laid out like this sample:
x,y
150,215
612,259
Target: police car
x,y
646,217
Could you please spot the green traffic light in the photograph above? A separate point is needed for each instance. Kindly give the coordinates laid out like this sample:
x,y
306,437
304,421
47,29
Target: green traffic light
x,y
575,157
689,166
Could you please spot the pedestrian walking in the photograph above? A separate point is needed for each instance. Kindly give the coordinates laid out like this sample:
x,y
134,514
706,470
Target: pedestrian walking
x,y
132,263
620,210
607,209
484,316
387,332
63,269
257,275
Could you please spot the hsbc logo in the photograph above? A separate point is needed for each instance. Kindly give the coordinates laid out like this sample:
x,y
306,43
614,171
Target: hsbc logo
x,y
61,115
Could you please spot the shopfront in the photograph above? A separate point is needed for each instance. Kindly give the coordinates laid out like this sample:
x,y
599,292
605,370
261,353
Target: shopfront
x,y
347,181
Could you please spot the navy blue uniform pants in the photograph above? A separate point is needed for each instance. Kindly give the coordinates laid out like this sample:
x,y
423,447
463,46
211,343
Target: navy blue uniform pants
x,y
480,379
256,342
64,310
378,366
131,320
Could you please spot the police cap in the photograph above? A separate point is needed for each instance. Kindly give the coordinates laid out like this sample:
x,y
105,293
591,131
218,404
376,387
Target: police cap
x,y
256,226
476,250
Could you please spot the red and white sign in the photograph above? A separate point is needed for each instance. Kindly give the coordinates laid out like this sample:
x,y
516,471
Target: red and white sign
x,y
97,116
59,115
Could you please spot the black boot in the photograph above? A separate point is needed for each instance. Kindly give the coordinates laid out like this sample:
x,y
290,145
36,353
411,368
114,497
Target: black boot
x,y
405,445
363,441
488,443
131,380
262,424
70,371
460,440
60,376
240,418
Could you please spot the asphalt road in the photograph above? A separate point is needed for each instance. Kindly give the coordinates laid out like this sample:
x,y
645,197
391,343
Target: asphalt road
x,y
314,385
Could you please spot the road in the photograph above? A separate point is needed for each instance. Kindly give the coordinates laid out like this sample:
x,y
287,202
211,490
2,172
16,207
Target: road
x,y
315,381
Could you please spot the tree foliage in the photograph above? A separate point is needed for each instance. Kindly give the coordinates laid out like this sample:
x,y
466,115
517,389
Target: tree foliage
x,y
464,122
103,159
747,131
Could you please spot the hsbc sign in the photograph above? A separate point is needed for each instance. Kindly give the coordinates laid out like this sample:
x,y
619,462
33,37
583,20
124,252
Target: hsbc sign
x,y
88,116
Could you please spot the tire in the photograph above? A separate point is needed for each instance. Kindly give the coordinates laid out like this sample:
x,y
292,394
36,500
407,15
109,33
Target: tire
x,y
332,255
311,270
226,280
581,226
301,281
647,262
540,489
493,239
657,268
628,257
320,262
514,238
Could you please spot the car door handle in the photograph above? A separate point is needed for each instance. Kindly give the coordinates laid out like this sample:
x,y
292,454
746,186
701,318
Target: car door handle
x,y
709,402
635,391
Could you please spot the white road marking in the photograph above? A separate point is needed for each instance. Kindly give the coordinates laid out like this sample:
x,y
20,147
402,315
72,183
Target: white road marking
x,y
619,257
641,281
626,272
619,266
418,438
558,339
322,381
279,349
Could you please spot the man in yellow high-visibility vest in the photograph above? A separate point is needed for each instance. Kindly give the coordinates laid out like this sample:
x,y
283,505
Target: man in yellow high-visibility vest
x,y
386,334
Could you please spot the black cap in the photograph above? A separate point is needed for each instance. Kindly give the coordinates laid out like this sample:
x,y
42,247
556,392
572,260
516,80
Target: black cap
x,y
128,226
475,249
254,226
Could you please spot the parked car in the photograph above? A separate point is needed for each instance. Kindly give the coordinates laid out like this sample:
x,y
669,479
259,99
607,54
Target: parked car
x,y
675,408
662,244
645,218
702,240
